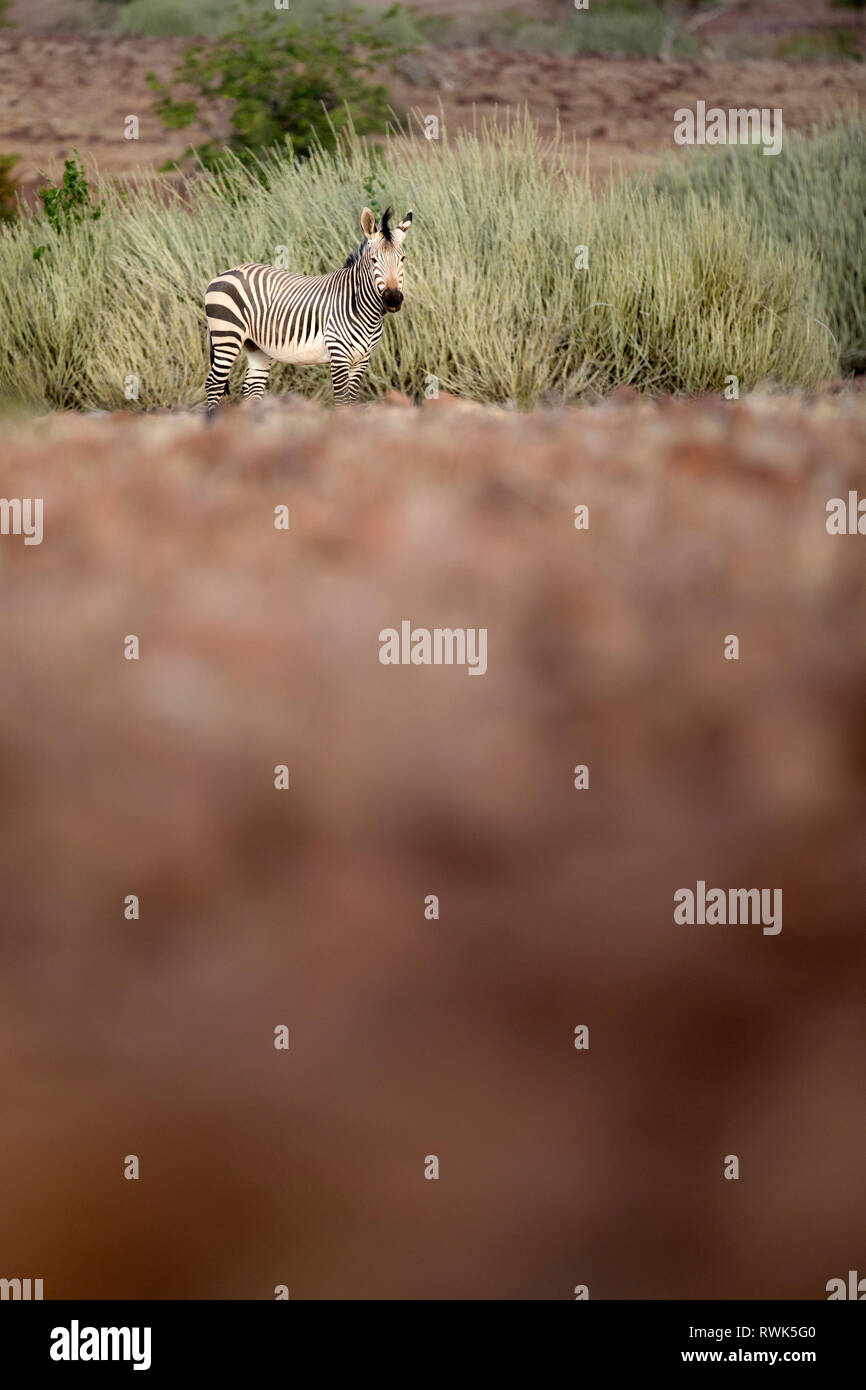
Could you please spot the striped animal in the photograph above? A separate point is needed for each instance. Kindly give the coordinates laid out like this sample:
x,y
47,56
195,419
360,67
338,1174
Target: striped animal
x,y
275,315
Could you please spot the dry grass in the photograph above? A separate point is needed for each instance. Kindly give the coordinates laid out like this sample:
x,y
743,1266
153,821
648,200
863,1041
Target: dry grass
x,y
680,292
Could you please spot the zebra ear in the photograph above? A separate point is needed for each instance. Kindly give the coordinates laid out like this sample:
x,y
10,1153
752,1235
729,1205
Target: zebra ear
x,y
368,223
406,223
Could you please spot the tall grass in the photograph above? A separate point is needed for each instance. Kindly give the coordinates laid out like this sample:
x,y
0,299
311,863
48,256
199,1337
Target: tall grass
x,y
811,199
682,288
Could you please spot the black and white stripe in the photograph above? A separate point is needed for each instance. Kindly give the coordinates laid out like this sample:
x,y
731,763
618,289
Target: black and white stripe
x,y
277,315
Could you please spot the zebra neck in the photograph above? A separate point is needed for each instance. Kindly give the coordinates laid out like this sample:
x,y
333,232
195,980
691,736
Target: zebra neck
x,y
367,297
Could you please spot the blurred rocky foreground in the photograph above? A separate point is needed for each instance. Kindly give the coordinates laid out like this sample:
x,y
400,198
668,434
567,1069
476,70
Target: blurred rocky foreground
x,y
305,907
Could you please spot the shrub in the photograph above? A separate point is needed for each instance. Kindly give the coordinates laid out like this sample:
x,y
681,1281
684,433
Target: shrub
x,y
285,78
68,203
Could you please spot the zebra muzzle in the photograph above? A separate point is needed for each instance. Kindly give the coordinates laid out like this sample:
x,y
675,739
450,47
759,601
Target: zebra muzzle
x,y
392,299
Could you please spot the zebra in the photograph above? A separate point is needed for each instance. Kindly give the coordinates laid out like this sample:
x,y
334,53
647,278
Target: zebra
x,y
276,315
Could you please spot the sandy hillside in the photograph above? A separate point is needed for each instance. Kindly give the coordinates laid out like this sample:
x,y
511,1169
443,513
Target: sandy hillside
x,y
60,90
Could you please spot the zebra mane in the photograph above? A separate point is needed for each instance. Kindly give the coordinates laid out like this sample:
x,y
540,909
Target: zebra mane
x,y
354,256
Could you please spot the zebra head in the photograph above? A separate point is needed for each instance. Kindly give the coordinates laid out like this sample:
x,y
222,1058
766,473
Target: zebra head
x,y
385,252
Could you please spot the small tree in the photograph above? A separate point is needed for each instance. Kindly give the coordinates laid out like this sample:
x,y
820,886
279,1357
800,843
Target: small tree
x,y
284,78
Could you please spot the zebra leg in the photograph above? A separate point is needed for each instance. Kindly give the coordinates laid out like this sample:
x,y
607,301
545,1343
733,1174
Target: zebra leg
x,y
222,359
346,374
356,376
256,379
340,373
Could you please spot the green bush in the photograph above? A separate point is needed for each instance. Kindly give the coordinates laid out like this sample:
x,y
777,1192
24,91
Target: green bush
x,y
810,199
68,204
284,78
682,289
